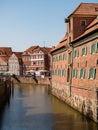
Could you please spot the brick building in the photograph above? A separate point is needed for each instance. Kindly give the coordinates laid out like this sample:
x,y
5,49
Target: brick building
x,y
75,80
36,59
27,59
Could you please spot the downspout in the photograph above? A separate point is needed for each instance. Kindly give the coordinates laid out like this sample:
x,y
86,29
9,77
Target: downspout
x,y
71,68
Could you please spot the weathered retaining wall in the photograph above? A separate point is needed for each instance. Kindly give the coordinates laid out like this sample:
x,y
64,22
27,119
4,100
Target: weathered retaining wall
x,y
38,80
80,100
83,104
5,92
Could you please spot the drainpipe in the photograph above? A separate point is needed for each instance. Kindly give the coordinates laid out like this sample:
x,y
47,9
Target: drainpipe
x,y
71,66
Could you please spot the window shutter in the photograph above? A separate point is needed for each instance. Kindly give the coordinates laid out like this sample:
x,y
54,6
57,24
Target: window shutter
x,y
88,73
76,73
96,47
64,56
90,49
52,72
80,73
94,73
55,72
85,50
83,73
65,73
73,73
81,51
76,53
60,72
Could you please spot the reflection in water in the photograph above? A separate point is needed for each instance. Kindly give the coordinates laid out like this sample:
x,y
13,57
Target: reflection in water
x,y
32,108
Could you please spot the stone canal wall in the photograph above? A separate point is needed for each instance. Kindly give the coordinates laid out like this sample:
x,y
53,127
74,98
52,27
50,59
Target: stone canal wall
x,y
82,101
37,80
5,92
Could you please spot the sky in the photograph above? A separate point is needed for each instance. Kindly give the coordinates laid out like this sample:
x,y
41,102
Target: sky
x,y
25,23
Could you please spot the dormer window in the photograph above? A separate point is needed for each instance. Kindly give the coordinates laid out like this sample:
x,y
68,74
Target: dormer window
x,y
83,22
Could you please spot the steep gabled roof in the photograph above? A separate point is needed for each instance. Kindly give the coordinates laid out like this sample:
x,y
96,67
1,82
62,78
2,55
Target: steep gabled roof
x,y
18,54
33,48
86,9
93,23
7,51
30,49
93,26
45,49
5,59
61,44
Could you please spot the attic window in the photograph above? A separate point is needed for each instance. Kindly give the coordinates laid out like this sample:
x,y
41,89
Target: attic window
x,y
83,22
96,9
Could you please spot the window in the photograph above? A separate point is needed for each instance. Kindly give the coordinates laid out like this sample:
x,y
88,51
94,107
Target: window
x,y
60,57
53,59
94,48
74,73
52,72
92,73
84,51
82,73
64,56
83,22
55,72
56,58
59,72
75,53
63,72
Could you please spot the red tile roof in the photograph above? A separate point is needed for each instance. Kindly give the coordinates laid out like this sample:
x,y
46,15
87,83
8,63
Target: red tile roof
x,y
5,59
61,44
33,48
30,49
86,9
82,9
18,54
45,49
7,51
94,22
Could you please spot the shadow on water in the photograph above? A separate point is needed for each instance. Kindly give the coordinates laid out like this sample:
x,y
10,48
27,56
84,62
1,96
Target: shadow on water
x,y
66,118
1,116
33,108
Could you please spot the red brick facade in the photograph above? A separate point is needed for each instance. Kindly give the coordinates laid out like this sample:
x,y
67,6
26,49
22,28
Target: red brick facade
x,y
80,85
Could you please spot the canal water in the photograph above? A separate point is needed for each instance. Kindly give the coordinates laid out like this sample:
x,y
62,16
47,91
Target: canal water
x,y
34,108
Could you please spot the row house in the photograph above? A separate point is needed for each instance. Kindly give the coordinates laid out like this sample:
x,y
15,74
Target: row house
x,y
15,63
5,53
27,59
75,78
36,59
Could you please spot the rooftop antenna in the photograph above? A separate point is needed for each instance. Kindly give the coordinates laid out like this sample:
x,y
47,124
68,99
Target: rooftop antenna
x,y
44,43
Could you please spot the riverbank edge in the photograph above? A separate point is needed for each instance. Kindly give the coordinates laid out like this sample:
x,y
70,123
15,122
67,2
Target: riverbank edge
x,y
85,106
